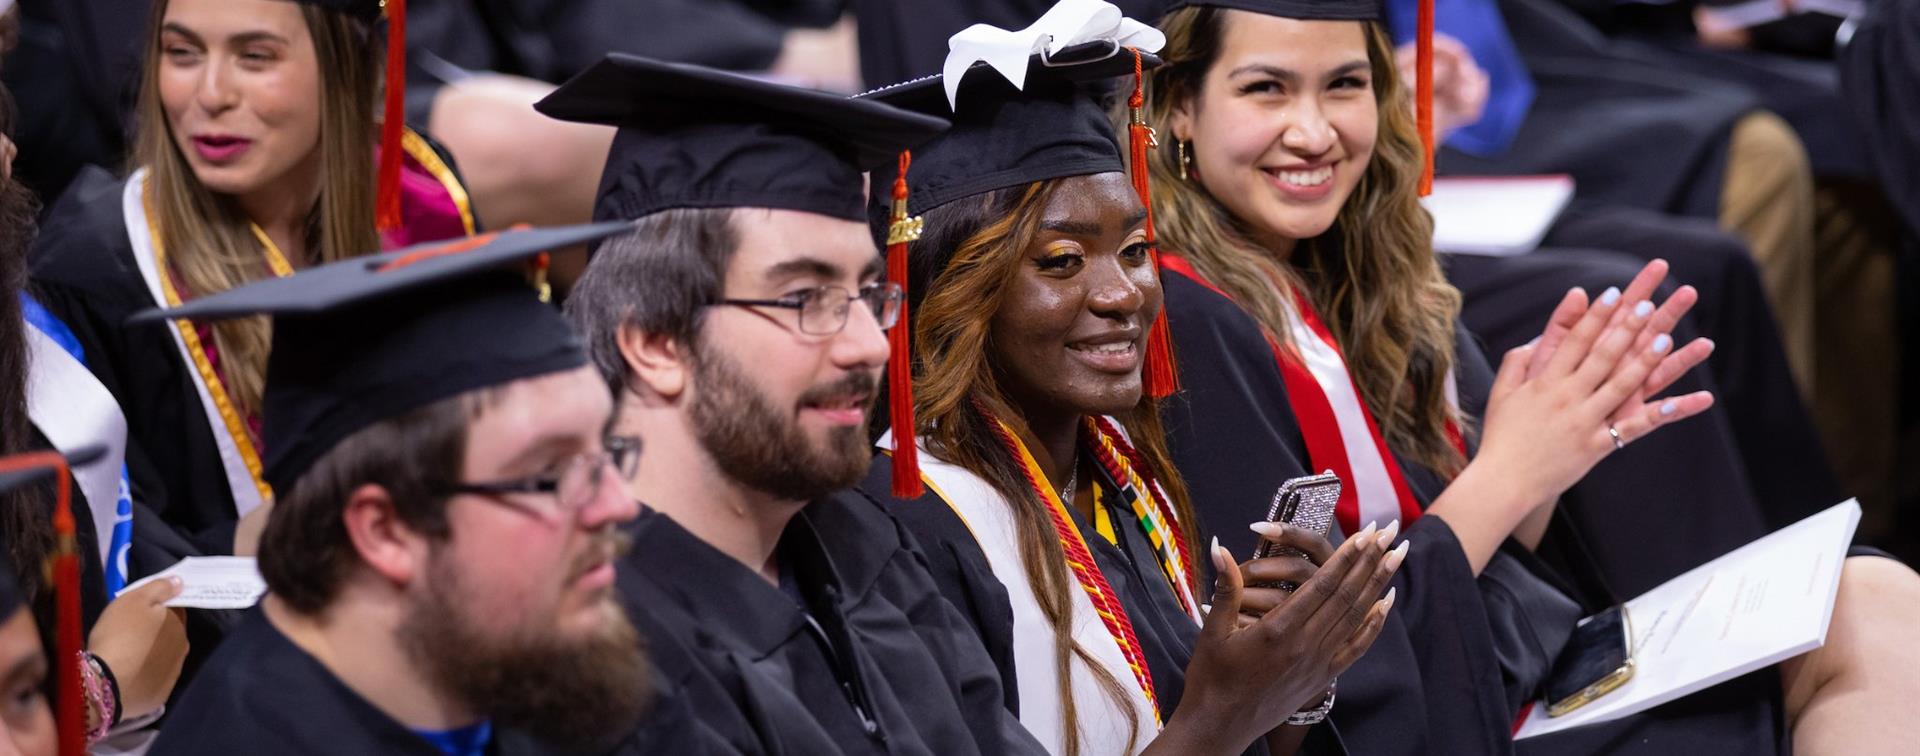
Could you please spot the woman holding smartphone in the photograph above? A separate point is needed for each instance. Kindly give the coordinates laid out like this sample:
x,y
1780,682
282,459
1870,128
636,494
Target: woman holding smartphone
x,y
1051,516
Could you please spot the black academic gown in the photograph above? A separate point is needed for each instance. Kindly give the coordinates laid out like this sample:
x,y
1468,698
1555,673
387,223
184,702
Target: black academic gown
x,y
1444,675
265,695
961,570
1789,68
73,79
83,271
1593,106
876,662
1880,70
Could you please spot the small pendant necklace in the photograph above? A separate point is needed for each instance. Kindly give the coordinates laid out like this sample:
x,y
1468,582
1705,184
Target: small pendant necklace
x,y
1073,481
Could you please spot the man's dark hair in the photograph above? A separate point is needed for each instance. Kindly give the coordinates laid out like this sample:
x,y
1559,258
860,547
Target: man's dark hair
x,y
305,552
659,279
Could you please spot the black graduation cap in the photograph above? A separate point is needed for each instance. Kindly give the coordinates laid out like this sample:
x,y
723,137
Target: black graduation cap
x,y
1055,126
1309,10
364,339
1003,136
367,10
697,137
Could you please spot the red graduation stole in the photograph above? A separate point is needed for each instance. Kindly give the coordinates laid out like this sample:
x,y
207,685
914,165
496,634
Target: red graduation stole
x,y
1327,448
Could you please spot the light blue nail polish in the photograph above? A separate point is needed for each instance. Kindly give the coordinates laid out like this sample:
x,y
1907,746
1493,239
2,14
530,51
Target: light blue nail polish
x,y
1643,309
1661,343
1669,407
1610,296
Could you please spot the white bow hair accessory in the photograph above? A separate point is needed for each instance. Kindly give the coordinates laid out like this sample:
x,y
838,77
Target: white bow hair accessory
x,y
1067,23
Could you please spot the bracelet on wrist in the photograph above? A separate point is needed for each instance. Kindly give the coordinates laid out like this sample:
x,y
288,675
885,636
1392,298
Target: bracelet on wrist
x,y
1317,714
102,693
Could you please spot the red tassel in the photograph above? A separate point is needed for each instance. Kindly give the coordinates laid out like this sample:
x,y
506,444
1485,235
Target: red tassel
x,y
1159,378
906,449
63,569
1423,92
386,207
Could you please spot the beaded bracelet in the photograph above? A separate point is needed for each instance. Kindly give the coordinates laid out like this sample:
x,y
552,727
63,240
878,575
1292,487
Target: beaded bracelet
x,y
103,694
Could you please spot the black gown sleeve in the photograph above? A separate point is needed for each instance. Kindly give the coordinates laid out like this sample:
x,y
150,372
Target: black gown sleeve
x,y
958,567
1431,682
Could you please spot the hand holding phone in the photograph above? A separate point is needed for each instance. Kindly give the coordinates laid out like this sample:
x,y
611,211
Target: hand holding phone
x,y
1305,503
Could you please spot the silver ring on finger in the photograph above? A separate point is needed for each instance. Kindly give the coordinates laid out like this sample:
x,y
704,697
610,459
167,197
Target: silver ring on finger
x,y
1618,442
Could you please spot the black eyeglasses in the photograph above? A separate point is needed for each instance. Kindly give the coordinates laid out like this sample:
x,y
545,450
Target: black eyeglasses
x,y
824,309
575,485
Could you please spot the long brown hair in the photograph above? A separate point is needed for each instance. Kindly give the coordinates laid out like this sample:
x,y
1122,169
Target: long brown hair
x,y
25,519
987,236
1373,276
210,243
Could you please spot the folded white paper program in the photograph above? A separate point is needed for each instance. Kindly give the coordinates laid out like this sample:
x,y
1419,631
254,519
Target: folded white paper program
x,y
1504,215
1763,603
213,582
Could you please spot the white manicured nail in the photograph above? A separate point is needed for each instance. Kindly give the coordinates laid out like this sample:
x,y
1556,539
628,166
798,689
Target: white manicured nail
x,y
1393,557
1643,309
1387,603
1610,296
1662,343
1387,535
1669,407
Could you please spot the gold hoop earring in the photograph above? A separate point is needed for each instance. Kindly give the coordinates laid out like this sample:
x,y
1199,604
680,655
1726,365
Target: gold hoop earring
x,y
1185,158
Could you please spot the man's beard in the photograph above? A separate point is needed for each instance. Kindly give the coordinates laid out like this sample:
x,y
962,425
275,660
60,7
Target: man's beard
x,y
765,449
579,692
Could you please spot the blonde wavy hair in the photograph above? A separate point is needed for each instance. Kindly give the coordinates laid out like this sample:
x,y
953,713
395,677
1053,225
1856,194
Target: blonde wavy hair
x,y
964,264
209,241
1373,276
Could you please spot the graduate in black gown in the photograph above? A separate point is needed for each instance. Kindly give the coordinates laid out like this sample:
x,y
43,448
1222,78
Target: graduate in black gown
x,y
113,246
1048,509
427,415
1757,454
1277,381
741,325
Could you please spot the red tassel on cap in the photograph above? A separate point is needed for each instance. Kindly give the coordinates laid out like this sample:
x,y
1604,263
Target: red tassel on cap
x,y
1159,378
63,570
386,203
906,449
1423,92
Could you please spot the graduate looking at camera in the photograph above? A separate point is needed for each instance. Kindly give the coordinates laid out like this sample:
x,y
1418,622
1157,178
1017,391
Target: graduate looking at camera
x,y
1052,514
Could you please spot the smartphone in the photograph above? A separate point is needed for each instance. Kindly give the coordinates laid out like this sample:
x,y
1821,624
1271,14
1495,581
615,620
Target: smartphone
x,y
1307,503
1597,659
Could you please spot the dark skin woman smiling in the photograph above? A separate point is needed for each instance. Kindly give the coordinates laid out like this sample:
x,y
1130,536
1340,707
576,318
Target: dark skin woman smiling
x,y
1053,519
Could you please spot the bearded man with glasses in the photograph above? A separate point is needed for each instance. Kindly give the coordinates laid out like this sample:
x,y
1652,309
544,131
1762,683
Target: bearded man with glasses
x,y
743,327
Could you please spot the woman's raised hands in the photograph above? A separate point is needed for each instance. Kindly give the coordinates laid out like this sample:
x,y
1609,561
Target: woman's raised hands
x,y
1248,675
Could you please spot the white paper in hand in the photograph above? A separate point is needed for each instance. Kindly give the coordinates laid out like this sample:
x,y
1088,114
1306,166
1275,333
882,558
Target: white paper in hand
x,y
213,582
1501,216
1761,604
